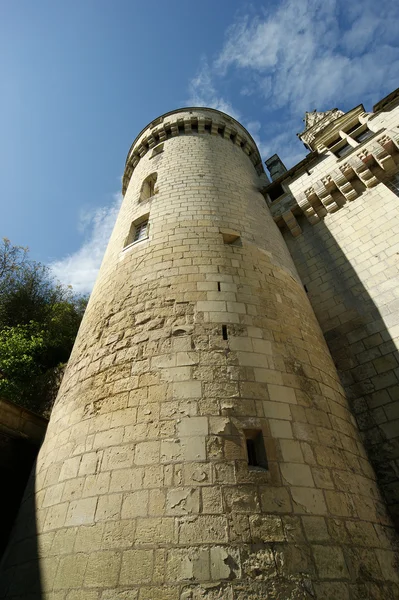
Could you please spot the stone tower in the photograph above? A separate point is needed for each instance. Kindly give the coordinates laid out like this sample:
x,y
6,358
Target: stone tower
x,y
200,446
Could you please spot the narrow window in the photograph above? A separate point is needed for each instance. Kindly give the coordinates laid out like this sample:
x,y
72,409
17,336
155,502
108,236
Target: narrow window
x,y
305,288
148,187
138,231
224,332
218,286
256,451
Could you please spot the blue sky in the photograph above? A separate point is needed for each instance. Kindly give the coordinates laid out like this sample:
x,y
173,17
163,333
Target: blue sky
x,y
80,78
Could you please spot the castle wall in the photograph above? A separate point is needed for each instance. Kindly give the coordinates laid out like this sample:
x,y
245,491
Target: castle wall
x,y
349,263
143,488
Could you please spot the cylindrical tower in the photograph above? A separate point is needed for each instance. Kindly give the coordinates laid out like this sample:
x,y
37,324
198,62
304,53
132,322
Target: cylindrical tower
x,y
200,446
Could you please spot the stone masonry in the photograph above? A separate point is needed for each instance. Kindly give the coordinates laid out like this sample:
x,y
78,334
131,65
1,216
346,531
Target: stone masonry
x,y
348,258
201,446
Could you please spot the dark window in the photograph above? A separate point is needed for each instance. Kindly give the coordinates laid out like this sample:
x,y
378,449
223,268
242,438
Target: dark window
x,y
393,184
256,451
364,135
224,332
345,149
275,192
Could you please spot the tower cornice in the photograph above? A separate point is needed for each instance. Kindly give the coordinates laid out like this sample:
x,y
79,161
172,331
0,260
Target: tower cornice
x,y
192,120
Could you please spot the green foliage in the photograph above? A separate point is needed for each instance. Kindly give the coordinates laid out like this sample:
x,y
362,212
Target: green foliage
x,y
39,319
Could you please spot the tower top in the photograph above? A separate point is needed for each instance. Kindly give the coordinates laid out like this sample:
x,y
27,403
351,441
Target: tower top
x,y
190,121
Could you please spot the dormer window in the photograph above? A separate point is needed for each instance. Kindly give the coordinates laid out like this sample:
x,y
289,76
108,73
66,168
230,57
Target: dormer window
x,y
343,150
348,139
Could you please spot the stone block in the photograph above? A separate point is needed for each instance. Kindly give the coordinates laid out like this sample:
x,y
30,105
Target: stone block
x,y
266,528
70,572
137,567
102,569
183,501
308,501
187,389
203,529
135,505
291,451
81,512
192,426
147,453
330,562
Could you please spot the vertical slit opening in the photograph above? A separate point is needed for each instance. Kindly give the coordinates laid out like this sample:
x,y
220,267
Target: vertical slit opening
x,y
224,332
218,286
256,451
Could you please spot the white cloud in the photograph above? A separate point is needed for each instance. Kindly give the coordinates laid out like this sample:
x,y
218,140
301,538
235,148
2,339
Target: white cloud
x,y
306,55
80,268
203,93
298,56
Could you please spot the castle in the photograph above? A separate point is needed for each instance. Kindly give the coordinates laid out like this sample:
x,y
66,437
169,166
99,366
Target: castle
x,y
227,427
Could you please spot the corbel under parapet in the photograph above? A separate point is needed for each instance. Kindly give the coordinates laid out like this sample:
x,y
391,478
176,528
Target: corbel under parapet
x,y
307,208
292,223
325,197
361,169
344,185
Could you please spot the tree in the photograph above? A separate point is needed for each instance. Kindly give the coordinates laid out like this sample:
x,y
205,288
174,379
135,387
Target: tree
x,y
39,320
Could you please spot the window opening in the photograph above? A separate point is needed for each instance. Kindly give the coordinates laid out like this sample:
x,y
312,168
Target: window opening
x,y
345,149
276,191
224,332
148,187
218,286
364,135
138,231
256,451
393,184
305,288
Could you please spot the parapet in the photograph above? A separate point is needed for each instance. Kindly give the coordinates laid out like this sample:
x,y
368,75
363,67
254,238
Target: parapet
x,y
190,121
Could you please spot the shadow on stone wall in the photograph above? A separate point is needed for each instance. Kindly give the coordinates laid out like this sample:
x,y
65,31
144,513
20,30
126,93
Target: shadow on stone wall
x,y
363,351
16,581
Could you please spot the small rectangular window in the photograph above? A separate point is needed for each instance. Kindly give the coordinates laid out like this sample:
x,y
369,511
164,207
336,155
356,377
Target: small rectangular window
x,y
343,150
224,332
138,231
364,135
256,451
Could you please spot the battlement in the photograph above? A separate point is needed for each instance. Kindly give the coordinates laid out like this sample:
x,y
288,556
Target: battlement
x,y
190,121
